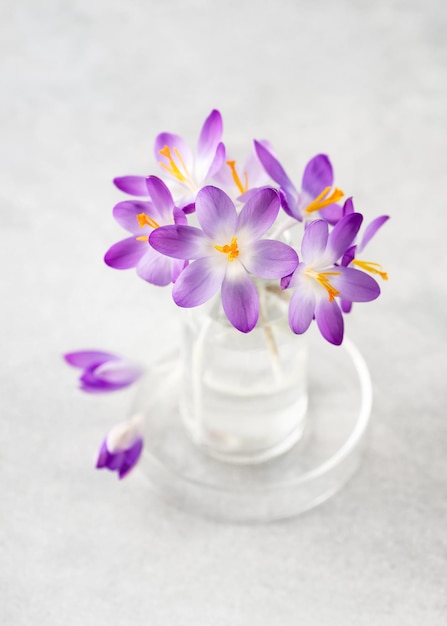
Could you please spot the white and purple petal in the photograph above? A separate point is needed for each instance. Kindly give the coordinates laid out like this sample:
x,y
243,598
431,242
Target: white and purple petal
x,y
342,235
155,268
216,164
329,320
348,256
371,230
131,457
354,285
258,214
90,383
301,309
199,282
161,197
256,174
133,185
346,306
240,298
180,241
88,358
173,142
216,214
332,213
126,213
125,254
207,146
120,372
211,133
318,175
121,449
270,259
272,166
179,216
315,239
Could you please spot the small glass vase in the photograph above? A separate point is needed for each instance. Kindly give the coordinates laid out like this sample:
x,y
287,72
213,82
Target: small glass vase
x,y
243,397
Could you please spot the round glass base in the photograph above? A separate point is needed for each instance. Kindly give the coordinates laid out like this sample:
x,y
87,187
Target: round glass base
x,y
316,467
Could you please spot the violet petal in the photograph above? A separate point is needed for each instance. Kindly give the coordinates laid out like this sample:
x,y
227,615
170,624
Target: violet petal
x,y
332,213
198,282
126,253
318,175
208,146
348,206
272,166
258,214
88,358
126,213
301,310
210,135
216,214
118,372
240,299
270,259
314,241
160,196
371,230
217,162
355,285
131,458
180,241
346,306
343,234
133,185
155,268
174,143
330,320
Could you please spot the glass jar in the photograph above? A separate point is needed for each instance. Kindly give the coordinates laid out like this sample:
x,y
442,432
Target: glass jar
x,y
243,397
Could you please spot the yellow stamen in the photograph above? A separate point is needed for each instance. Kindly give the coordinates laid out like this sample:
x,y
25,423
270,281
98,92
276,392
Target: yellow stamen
x,y
242,187
172,167
324,200
146,220
143,238
373,268
322,278
231,250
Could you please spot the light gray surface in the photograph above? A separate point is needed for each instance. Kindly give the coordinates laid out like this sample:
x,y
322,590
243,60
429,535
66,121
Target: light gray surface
x,y
85,88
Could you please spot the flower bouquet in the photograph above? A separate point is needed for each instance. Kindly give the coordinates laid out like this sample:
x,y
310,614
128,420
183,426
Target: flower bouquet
x,y
257,261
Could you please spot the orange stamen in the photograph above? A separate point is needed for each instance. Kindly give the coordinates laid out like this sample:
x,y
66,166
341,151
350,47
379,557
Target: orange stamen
x,y
373,268
322,278
146,220
242,187
231,250
324,200
172,167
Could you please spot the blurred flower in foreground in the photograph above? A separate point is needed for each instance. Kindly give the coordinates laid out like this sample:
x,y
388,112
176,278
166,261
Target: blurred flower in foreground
x,y
121,448
103,371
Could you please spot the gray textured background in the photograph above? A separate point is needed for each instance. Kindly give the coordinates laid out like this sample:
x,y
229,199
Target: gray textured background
x,y
86,86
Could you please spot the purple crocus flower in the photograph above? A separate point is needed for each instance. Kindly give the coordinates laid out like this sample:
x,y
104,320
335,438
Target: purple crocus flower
x,y
224,251
141,218
103,371
121,449
317,280
184,172
316,187
350,256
